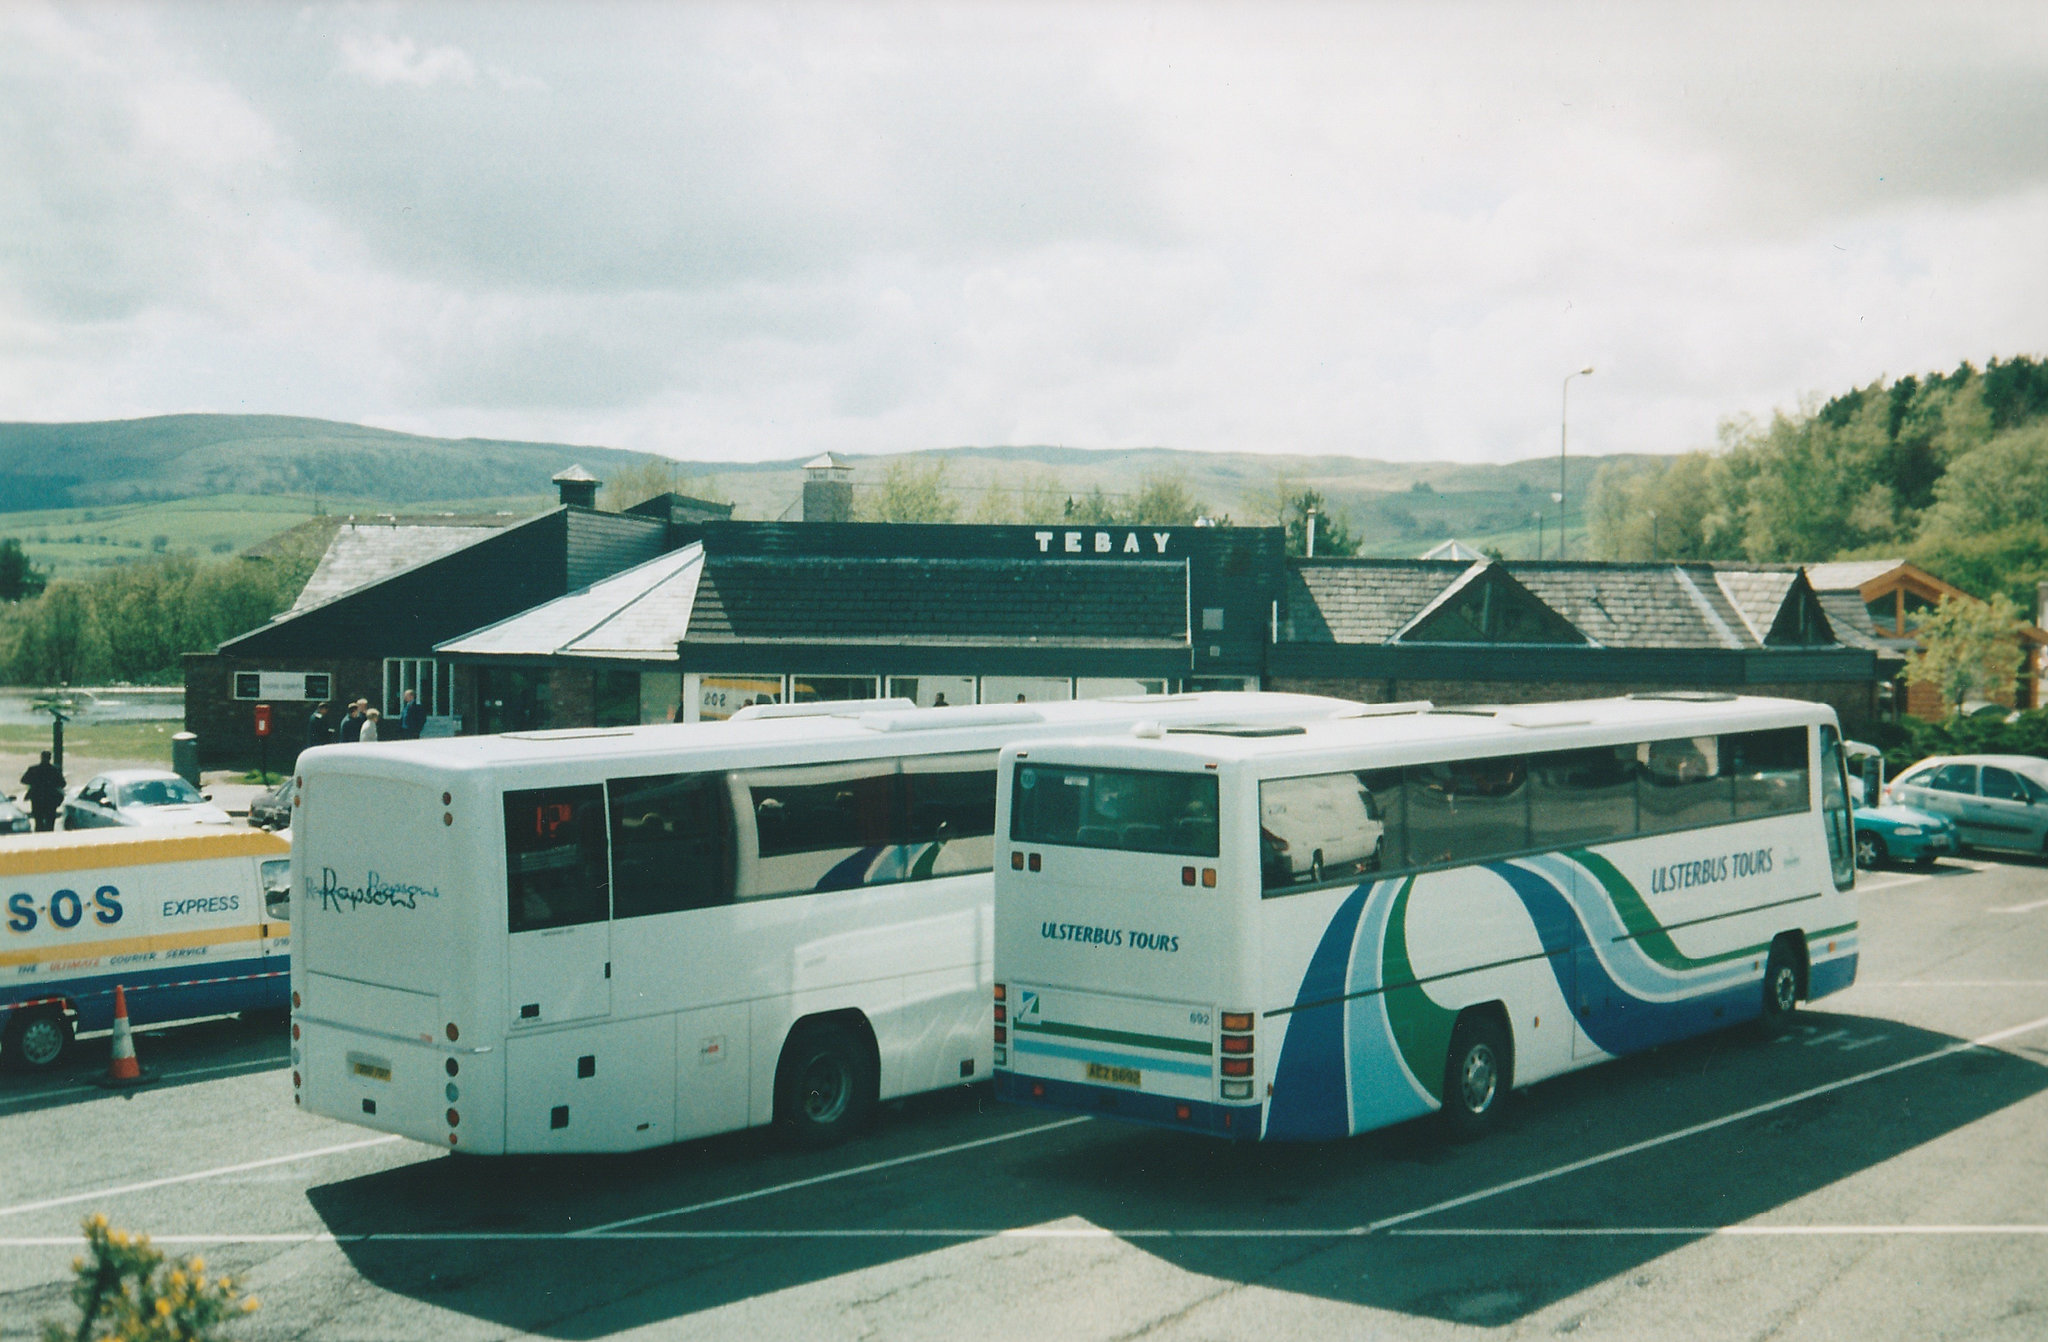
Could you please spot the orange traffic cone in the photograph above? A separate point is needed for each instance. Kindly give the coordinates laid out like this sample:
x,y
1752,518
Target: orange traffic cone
x,y
123,1069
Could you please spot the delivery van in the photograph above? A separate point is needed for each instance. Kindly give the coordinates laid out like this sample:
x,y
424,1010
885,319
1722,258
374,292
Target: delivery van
x,y
186,923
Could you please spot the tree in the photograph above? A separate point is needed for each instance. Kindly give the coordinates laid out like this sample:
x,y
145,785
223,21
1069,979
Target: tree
x,y
646,479
18,577
1165,501
910,493
1333,534
1968,650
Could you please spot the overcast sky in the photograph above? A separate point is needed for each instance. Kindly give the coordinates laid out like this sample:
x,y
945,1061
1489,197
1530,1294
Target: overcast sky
x,y
758,231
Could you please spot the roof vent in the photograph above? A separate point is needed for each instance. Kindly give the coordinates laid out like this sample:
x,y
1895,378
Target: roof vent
x,y
578,488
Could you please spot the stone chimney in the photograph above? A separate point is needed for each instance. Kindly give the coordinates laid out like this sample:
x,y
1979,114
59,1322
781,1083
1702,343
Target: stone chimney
x,y
578,488
828,490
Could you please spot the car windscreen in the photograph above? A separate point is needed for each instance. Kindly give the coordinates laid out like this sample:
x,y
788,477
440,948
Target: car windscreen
x,y
1132,809
160,792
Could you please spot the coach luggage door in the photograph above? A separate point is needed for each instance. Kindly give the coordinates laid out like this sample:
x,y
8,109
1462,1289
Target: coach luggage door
x,y
558,906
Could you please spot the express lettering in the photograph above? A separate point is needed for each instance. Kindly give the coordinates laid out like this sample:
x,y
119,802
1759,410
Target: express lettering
x,y
374,892
66,909
179,908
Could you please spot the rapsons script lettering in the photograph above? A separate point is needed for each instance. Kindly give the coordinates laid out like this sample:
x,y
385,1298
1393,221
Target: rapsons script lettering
x,y
375,892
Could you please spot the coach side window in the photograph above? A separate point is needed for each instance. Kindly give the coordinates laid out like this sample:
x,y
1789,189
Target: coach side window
x,y
1683,784
1582,796
1467,810
1770,771
555,868
949,814
672,843
823,827
1329,827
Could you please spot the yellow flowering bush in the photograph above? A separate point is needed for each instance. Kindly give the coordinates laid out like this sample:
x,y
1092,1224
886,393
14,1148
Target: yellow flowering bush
x,y
128,1292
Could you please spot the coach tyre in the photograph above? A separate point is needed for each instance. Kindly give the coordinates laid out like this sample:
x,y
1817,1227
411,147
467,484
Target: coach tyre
x,y
1781,985
1870,850
825,1085
1478,1070
37,1039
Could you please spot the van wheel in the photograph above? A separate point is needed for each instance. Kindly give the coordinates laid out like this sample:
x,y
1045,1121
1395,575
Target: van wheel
x,y
1478,1071
1781,987
38,1039
825,1085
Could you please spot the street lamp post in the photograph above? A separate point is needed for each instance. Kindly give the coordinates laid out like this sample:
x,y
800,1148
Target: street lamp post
x,y
1563,421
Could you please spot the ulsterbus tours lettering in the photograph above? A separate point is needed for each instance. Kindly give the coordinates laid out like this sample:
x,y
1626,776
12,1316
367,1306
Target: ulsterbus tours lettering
x,y
374,891
1110,936
1707,871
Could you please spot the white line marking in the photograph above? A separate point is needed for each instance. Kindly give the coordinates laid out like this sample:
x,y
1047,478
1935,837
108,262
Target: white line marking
x,y
828,1178
1052,1233
275,1064
2020,908
96,1194
1650,1143
1954,983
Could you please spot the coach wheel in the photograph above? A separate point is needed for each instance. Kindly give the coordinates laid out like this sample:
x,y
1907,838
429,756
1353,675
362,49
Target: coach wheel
x,y
1870,850
825,1085
1781,985
1478,1071
38,1039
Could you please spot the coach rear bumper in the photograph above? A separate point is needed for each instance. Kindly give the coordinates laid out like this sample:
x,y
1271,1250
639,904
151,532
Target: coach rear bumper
x,y
1236,1121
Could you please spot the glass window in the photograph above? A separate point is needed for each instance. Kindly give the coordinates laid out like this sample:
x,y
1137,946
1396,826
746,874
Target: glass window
x,y
1466,810
1769,769
1952,778
615,699
1582,796
1025,689
555,868
2036,792
2003,786
1110,687
1683,784
672,843
831,689
823,827
1834,802
1328,827
160,792
719,697
661,696
949,815
277,889
1115,808
933,691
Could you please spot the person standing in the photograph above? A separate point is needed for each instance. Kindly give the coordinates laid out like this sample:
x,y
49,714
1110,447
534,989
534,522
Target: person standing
x,y
45,782
319,727
352,725
368,731
412,717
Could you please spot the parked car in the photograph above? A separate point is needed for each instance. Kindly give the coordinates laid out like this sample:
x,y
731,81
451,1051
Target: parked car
x,y
273,810
1895,833
139,797
1994,801
13,819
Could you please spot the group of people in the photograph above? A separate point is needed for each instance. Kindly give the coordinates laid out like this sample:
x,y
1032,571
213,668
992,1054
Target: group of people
x,y
364,723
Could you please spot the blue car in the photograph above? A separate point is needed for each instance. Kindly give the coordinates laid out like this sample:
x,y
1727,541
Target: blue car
x,y
1901,834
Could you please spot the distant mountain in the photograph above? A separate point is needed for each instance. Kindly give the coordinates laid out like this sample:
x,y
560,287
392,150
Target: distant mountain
x,y
1395,507
190,456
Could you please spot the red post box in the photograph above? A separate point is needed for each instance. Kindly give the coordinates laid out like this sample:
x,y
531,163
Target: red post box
x,y
263,719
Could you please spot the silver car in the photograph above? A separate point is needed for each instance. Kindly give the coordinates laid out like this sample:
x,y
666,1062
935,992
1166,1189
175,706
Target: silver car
x,y
1996,801
140,797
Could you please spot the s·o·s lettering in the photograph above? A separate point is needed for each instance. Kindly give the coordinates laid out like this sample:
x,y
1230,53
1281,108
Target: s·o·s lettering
x,y
66,909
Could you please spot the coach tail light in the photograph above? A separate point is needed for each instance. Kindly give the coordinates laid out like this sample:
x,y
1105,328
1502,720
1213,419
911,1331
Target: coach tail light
x,y
1002,1056
1237,1062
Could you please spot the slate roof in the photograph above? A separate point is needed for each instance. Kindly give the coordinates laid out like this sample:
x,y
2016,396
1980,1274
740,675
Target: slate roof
x,y
1665,606
637,615
845,599
369,550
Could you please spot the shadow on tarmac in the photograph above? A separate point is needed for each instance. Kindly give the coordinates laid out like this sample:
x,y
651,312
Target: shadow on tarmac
x,y
172,1054
1124,1178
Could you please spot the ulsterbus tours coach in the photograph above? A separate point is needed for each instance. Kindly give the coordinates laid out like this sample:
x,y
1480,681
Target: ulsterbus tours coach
x,y
1304,931
605,939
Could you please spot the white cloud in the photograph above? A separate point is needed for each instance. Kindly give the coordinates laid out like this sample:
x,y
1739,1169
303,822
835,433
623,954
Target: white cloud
x,y
381,59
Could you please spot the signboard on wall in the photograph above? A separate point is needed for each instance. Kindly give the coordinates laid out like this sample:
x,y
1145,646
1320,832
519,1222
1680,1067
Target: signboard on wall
x,y
302,686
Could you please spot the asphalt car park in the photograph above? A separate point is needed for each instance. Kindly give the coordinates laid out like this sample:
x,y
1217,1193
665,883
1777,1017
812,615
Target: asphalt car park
x,y
1878,1170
